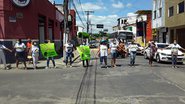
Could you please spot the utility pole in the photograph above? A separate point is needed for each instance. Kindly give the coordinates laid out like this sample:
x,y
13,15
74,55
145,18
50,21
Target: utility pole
x,y
65,35
88,22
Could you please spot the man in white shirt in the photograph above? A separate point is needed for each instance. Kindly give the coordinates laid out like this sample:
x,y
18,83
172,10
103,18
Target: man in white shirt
x,y
174,51
2,55
69,52
103,53
132,48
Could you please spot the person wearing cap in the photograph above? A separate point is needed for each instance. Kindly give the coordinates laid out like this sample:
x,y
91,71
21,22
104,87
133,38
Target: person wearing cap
x,y
132,48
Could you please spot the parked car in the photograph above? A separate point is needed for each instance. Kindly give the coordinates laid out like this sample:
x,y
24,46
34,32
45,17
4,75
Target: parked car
x,y
140,49
93,44
163,53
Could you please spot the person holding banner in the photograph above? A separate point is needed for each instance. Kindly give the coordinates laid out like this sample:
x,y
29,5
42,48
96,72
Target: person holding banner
x,y
69,52
50,58
83,54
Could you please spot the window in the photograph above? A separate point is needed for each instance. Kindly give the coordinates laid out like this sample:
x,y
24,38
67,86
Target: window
x,y
155,14
170,12
160,12
122,21
180,7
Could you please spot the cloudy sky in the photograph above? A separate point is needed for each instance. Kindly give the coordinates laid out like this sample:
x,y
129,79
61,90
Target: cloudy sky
x,y
108,11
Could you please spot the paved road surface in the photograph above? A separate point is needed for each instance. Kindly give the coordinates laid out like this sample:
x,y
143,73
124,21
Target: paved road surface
x,y
141,84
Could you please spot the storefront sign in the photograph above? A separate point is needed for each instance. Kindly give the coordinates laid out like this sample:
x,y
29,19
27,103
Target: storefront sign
x,y
12,18
21,3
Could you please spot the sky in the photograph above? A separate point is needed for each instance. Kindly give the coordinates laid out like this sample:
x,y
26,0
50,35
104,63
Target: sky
x,y
107,11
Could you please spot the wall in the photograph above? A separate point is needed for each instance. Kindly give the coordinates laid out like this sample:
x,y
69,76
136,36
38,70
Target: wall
x,y
177,19
159,21
27,25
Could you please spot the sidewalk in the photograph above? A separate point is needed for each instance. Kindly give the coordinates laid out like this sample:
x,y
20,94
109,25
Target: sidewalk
x,y
42,63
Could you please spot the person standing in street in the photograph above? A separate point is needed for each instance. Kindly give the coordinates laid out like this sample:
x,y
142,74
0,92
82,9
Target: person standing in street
x,y
103,53
121,49
113,50
132,48
50,58
2,54
69,52
28,50
85,61
20,53
35,54
152,50
174,52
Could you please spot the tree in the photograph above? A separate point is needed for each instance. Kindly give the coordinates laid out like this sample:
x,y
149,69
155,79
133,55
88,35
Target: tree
x,y
83,35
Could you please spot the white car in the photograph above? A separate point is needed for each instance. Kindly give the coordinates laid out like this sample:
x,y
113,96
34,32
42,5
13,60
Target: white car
x,y
140,49
163,53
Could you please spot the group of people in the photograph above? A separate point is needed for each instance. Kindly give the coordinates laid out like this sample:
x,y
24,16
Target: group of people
x,y
22,53
29,52
116,48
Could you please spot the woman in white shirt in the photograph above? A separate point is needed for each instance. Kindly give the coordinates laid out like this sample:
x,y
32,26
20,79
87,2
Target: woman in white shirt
x,y
20,53
35,54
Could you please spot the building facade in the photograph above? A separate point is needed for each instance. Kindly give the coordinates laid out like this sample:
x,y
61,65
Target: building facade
x,y
38,20
175,20
127,23
158,21
144,19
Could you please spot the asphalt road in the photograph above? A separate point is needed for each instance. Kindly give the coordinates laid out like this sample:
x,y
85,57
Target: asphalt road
x,y
141,84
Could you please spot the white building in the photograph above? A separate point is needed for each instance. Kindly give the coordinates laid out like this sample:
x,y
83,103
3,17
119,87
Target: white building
x,y
127,23
158,21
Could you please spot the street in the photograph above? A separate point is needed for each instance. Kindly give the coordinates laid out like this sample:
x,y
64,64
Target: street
x,y
123,84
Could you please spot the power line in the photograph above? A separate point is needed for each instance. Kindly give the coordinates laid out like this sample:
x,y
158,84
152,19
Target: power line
x,y
78,13
82,9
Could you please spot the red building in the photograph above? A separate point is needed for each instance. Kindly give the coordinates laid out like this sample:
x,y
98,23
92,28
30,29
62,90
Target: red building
x,y
35,19
148,23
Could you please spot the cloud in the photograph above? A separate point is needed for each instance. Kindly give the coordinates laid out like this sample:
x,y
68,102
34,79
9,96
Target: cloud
x,y
118,5
129,5
91,6
131,14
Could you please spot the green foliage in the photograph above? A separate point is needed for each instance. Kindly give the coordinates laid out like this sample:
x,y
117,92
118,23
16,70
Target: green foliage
x,y
83,35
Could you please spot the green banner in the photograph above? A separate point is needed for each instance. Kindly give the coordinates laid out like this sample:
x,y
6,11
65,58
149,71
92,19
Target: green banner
x,y
48,50
84,52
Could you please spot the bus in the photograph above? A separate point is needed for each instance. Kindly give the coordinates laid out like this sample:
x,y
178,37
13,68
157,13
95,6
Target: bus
x,y
125,35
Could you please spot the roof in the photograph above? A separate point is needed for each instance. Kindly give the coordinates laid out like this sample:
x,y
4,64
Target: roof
x,y
143,12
